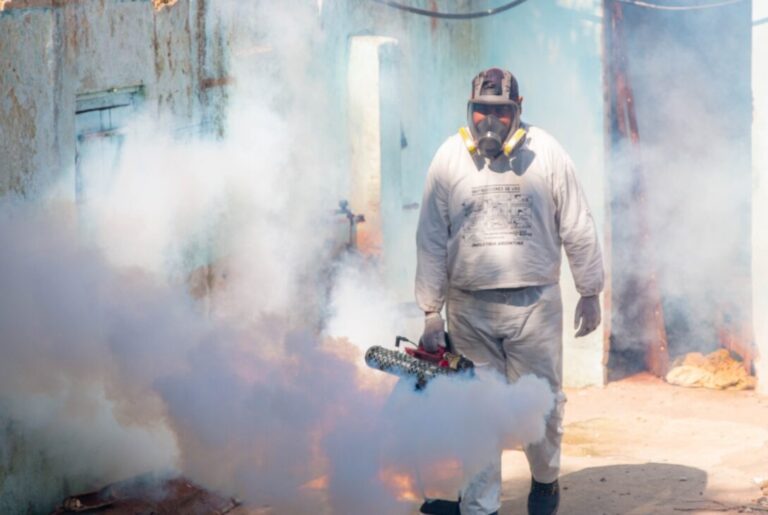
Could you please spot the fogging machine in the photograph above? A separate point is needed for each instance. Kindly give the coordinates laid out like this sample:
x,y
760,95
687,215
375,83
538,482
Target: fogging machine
x,y
415,363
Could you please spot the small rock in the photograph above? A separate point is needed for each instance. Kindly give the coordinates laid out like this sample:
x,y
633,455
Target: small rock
x,y
602,480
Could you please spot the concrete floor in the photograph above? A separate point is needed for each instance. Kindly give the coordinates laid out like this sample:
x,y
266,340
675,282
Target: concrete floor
x,y
642,446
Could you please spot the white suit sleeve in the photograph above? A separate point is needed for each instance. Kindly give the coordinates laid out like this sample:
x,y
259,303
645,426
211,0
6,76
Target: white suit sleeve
x,y
432,240
578,231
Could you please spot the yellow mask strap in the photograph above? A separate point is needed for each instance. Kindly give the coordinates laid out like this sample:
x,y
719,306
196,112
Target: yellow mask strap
x,y
514,142
510,146
469,141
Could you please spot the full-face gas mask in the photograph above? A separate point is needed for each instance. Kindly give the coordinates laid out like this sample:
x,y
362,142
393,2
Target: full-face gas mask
x,y
495,95
491,134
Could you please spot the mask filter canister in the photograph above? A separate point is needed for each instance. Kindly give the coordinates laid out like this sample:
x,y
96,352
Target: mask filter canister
x,y
491,135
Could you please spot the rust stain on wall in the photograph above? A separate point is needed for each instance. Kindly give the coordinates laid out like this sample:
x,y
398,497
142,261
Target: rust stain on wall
x,y
216,82
33,4
162,4
433,21
24,133
201,31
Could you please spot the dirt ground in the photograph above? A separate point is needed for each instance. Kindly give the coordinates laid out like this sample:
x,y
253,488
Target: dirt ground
x,y
642,446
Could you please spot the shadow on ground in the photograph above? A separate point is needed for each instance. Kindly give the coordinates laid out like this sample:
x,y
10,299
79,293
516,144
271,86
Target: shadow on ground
x,y
650,488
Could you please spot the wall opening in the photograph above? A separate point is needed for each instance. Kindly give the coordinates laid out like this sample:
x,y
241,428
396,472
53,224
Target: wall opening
x,y
100,122
680,223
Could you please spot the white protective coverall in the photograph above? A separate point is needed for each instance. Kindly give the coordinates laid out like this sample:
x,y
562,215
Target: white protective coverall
x,y
489,246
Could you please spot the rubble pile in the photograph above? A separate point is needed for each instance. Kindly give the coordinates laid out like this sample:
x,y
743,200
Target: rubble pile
x,y
719,370
761,503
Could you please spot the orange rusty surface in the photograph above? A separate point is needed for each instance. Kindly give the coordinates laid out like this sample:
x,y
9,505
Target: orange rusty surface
x,y
33,4
37,4
737,336
216,82
162,4
433,20
651,319
370,240
733,322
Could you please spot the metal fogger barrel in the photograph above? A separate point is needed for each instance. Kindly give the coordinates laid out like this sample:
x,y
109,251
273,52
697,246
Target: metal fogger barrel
x,y
414,367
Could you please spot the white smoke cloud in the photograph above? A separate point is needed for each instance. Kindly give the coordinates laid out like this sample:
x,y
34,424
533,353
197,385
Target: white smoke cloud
x,y
99,358
680,199
109,367
79,343
362,308
760,197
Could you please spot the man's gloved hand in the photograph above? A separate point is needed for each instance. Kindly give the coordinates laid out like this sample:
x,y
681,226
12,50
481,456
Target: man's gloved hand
x,y
587,315
434,332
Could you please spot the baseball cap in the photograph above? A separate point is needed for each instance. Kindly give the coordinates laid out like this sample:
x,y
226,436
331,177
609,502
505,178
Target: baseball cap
x,y
494,86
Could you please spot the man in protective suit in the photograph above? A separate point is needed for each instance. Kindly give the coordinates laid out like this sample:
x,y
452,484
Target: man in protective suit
x,y
501,198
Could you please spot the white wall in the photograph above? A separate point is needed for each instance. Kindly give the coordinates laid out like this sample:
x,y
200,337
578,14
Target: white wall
x,y
760,196
365,136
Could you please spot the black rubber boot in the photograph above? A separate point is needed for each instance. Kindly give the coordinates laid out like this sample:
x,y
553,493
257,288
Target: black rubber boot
x,y
440,507
544,498
443,507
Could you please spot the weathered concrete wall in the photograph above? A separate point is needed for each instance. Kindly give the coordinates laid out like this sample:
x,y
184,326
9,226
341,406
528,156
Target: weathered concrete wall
x,y
29,67
51,52
33,490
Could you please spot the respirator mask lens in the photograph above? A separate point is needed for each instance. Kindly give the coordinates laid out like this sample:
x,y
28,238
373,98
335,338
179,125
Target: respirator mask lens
x,y
490,133
500,111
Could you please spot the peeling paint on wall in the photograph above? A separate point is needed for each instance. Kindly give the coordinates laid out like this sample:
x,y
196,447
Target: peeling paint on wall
x,y
90,46
27,70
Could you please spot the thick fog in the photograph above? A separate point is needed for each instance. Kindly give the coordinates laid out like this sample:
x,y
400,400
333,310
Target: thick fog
x,y
196,314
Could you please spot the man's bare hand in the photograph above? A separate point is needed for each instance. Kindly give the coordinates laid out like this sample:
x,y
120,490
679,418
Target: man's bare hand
x,y
587,315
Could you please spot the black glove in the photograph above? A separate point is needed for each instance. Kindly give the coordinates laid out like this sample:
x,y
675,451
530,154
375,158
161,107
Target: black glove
x,y
434,332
